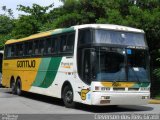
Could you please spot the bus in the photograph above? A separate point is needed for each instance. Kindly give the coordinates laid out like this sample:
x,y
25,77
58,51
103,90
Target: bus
x,y
93,64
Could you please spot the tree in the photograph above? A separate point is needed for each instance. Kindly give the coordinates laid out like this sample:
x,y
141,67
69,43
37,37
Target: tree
x,y
7,11
31,23
38,12
6,24
157,71
25,26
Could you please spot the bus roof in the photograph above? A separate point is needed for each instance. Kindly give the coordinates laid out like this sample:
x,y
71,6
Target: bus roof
x,y
63,30
42,34
110,27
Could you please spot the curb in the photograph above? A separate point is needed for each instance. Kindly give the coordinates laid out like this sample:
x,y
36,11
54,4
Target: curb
x,y
154,101
5,89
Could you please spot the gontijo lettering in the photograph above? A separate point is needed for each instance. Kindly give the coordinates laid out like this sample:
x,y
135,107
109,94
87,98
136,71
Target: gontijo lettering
x,y
26,64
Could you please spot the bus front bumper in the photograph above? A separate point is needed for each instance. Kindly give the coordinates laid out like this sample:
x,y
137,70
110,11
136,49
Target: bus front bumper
x,y
99,98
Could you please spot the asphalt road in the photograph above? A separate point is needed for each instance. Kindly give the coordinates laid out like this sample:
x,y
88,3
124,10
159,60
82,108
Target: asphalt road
x,y
30,103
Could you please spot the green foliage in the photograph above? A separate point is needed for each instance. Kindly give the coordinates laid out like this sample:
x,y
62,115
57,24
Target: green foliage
x,y
33,22
7,11
25,26
6,24
157,71
36,11
3,38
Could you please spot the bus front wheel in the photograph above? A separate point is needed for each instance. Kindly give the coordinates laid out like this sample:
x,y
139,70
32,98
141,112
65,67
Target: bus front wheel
x,y
68,97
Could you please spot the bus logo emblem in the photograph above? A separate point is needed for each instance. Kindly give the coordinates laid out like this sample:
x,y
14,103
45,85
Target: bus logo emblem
x,y
116,84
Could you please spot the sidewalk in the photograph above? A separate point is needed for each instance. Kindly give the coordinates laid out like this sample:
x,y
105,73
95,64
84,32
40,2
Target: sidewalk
x,y
154,101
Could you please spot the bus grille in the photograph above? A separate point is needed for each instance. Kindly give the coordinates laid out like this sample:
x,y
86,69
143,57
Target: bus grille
x,y
133,89
119,89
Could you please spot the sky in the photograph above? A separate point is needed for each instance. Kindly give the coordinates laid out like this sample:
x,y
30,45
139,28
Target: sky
x,y
12,4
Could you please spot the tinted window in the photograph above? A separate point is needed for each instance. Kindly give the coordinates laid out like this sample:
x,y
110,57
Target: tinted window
x,y
63,42
12,51
138,66
19,50
49,49
53,45
67,43
28,49
41,49
8,51
85,36
119,37
36,47
70,43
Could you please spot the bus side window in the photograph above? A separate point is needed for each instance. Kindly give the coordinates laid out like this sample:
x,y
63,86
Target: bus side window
x,y
63,41
55,45
8,51
28,49
70,43
19,49
12,51
41,46
48,46
67,44
85,36
35,47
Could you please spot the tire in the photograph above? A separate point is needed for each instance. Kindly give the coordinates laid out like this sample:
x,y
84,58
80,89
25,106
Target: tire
x,y
68,97
13,87
18,87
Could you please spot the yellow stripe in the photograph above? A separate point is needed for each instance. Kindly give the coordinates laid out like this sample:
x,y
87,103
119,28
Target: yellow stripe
x,y
119,84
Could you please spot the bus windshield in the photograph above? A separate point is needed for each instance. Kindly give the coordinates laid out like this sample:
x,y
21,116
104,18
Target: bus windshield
x,y
110,64
109,55
114,64
137,65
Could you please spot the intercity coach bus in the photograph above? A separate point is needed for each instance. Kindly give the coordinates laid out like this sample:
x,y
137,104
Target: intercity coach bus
x,y
94,64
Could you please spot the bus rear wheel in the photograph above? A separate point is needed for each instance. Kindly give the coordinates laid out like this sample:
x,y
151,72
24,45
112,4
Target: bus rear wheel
x,y
68,97
18,87
13,87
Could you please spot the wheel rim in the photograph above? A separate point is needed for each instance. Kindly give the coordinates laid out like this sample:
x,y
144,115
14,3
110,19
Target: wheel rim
x,y
69,96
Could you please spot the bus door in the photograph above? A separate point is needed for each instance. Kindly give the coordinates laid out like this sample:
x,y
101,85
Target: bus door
x,y
86,63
